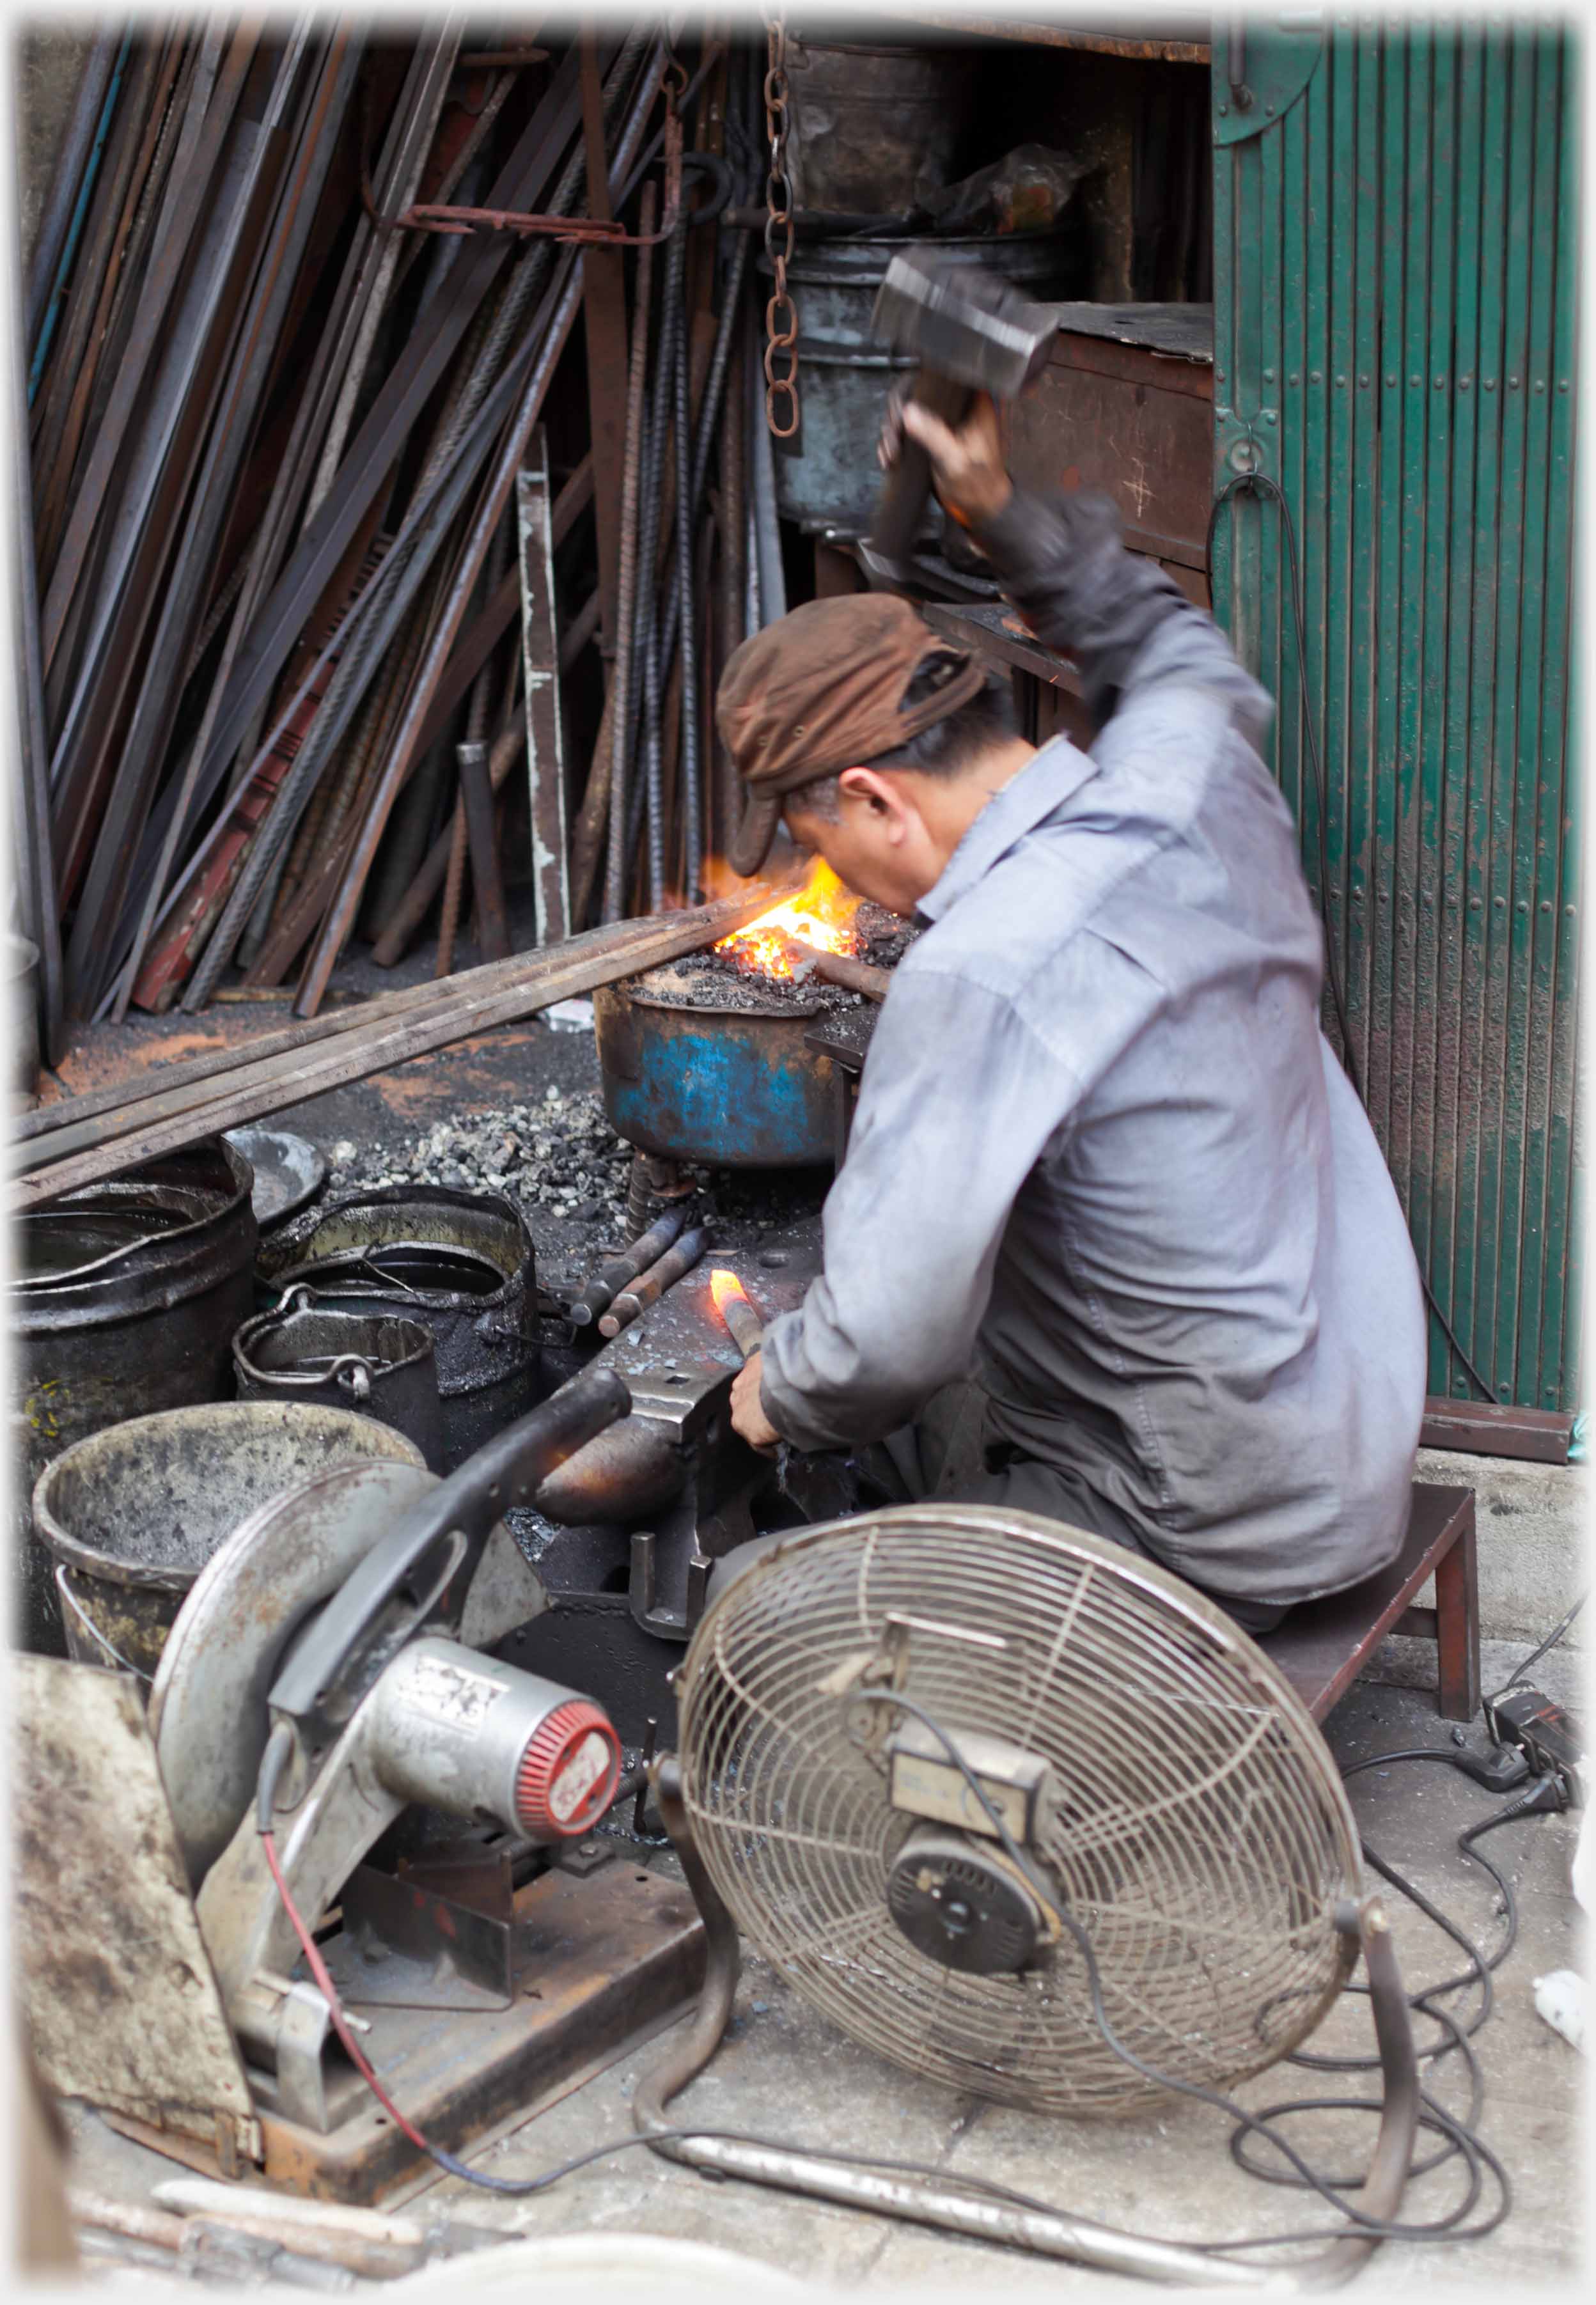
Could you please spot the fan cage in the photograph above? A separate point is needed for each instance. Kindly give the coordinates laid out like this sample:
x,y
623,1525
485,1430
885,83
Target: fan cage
x,y
1196,1825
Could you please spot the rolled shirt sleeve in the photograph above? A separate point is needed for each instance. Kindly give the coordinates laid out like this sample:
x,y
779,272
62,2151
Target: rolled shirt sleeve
x,y
959,1097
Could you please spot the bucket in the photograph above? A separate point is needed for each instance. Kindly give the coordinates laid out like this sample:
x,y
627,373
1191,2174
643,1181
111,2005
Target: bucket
x,y
126,1297
131,1515
22,986
461,1264
844,375
873,124
380,1365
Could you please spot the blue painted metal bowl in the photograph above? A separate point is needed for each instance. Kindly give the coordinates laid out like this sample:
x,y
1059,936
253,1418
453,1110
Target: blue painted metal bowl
x,y
731,1087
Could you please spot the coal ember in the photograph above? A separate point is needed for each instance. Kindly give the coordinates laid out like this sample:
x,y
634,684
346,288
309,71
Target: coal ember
x,y
558,1156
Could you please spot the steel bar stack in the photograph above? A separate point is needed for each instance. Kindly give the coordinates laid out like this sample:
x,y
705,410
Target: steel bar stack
x,y
383,501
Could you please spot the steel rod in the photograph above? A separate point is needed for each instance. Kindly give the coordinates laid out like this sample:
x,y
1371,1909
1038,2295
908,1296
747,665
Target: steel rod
x,y
618,701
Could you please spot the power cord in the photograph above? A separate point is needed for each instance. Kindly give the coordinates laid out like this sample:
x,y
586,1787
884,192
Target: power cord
x,y
1459,2140
1550,1642
1260,484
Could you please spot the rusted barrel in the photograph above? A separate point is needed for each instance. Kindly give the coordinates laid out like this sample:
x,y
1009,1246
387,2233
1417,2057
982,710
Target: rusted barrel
x,y
380,1365
132,1514
126,1298
875,123
461,1264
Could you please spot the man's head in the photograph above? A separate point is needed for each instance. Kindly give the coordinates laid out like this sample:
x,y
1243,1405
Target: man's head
x,y
879,742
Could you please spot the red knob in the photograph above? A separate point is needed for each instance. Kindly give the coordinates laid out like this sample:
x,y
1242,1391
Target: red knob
x,y
568,1773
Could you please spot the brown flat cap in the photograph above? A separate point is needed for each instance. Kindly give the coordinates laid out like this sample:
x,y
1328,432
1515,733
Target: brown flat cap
x,y
822,689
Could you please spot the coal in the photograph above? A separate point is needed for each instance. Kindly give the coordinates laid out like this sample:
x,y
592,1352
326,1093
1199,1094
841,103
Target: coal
x,y
557,1156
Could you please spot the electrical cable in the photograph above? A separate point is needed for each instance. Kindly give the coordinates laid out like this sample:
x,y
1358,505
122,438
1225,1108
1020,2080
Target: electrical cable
x,y
1260,484
1457,2132
1550,1642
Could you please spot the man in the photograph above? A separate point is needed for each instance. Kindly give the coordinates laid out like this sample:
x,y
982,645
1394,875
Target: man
x,y
1103,1163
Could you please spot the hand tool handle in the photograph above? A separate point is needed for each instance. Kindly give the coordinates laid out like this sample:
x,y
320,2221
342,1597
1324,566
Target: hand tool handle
x,y
900,508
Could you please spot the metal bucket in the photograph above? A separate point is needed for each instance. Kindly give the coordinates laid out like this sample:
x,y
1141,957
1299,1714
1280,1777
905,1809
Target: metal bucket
x,y
731,1087
125,1301
874,124
377,1364
22,986
830,481
132,1514
461,1264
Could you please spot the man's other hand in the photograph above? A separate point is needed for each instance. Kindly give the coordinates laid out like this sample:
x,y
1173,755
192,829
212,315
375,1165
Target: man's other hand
x,y
748,1416
967,467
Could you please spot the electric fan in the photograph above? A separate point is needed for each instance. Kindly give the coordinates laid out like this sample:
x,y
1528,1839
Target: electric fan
x,y
929,1756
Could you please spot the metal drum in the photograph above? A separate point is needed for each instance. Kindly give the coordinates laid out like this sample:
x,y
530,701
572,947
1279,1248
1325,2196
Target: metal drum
x,y
380,1365
734,1087
874,124
461,1263
844,375
132,1514
125,1301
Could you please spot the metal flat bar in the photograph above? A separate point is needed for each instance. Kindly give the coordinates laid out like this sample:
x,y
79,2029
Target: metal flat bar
x,y
382,434
147,530
36,853
545,739
549,331
144,745
604,314
487,881
217,85
57,220
461,1008
80,212
327,102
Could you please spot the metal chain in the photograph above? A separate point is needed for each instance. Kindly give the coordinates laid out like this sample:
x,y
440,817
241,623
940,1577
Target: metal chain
x,y
781,314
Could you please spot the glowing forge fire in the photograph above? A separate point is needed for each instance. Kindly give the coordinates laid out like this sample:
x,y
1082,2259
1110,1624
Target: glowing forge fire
x,y
821,914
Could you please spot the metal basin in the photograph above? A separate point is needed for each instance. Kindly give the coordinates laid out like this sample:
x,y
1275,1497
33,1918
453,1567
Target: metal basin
x,y
125,1300
380,1365
132,1514
731,1087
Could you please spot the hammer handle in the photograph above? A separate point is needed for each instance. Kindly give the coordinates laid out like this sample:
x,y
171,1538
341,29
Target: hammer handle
x,y
900,508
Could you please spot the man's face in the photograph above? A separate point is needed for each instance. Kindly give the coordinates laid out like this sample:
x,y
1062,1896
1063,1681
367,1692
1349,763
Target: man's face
x,y
878,842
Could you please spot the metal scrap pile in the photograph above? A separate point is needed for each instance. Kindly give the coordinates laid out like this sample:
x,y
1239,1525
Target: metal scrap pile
x,y
310,597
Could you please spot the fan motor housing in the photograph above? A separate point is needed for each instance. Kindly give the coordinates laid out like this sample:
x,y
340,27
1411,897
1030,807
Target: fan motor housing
x,y
957,1904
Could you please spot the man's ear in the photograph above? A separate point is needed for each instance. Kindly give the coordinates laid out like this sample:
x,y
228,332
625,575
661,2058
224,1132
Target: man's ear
x,y
880,796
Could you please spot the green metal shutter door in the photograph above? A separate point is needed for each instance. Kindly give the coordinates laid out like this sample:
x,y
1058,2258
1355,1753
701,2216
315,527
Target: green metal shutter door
x,y
1394,223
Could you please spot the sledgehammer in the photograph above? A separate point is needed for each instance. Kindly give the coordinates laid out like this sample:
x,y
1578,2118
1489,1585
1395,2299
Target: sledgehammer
x,y
974,334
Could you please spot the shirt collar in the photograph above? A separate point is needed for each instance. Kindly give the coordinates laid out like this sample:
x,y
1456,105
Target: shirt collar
x,y
1058,769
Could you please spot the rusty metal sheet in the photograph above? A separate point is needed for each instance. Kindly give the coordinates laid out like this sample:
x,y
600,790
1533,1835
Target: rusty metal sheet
x,y
544,737
119,1996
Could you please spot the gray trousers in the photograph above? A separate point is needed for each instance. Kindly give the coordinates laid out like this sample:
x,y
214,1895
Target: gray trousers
x,y
946,1455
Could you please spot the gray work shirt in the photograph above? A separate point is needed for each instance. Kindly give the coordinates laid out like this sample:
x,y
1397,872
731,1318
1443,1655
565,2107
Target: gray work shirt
x,y
1103,1158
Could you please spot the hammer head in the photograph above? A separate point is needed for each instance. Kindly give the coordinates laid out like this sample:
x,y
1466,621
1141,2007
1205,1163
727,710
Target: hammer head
x,y
965,323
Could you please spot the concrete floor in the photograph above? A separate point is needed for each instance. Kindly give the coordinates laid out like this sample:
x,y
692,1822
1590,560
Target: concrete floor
x,y
785,2073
